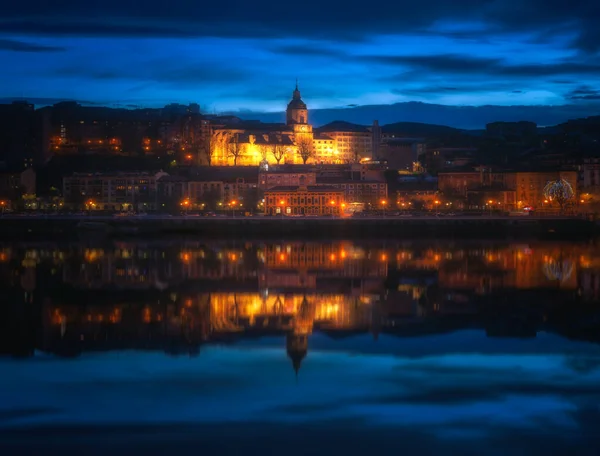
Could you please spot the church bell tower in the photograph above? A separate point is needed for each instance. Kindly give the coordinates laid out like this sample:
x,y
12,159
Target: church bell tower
x,y
297,112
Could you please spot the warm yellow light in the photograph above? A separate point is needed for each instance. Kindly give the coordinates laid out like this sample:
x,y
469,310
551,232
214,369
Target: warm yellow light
x,y
332,202
436,202
282,257
332,257
282,202
343,254
343,205
188,156
490,201
384,202
383,257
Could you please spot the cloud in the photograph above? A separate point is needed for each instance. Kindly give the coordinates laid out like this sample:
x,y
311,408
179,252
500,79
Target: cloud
x,y
584,93
466,65
21,46
306,50
191,74
458,89
316,18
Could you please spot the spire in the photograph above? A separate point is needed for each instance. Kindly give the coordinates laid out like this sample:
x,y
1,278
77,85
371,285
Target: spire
x,y
296,95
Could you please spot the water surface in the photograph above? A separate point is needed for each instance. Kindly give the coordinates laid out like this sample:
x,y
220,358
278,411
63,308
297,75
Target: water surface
x,y
301,347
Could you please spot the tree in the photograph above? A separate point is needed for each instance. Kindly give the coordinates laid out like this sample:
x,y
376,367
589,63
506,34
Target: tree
x,y
278,151
559,191
208,148
305,149
263,150
235,148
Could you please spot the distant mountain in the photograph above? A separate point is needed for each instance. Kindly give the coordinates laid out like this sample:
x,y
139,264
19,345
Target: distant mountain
x,y
459,117
417,129
340,125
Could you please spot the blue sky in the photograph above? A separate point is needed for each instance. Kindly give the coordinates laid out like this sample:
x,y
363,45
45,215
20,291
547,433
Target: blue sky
x,y
246,57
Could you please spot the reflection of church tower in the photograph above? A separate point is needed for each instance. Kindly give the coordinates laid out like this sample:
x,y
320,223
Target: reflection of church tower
x,y
297,348
297,112
297,341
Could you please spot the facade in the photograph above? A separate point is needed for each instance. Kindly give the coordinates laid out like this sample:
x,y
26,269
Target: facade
x,y
112,192
361,183
23,135
504,190
295,142
530,187
304,200
590,173
369,192
402,153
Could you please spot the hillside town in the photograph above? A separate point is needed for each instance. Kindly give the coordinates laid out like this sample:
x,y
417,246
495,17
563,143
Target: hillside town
x,y
73,158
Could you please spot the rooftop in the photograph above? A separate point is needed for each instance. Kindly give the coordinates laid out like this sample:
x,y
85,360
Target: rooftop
x,y
309,188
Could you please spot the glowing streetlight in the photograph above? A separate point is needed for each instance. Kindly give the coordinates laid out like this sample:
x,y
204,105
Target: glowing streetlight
x,y
383,204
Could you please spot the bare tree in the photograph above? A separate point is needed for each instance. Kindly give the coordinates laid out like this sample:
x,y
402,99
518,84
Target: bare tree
x,y
208,148
235,148
278,151
263,150
305,149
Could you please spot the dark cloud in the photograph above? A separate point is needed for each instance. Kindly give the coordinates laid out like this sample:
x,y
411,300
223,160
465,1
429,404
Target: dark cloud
x,y
316,18
162,72
459,89
584,93
314,50
465,65
21,46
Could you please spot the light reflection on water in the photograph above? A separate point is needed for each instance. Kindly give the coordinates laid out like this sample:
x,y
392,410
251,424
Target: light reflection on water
x,y
455,340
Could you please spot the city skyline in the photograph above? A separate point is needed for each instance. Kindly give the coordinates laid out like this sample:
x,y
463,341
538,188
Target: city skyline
x,y
493,54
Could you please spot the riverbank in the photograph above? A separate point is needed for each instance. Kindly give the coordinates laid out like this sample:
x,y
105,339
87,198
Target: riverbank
x,y
480,227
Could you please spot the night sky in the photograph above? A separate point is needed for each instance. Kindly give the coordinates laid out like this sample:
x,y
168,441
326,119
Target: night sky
x,y
231,56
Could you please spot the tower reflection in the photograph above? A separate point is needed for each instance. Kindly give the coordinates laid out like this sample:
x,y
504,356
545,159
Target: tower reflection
x,y
177,296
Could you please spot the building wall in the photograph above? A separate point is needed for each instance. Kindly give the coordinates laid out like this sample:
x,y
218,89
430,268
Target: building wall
x,y
350,146
111,192
458,183
303,202
530,186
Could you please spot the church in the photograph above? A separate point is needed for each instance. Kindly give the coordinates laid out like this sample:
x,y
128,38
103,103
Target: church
x,y
255,143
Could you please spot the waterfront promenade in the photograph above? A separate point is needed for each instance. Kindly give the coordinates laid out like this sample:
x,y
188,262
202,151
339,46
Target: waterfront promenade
x,y
480,226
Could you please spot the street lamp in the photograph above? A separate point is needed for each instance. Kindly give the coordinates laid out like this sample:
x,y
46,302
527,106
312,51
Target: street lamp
x,y
383,204
185,204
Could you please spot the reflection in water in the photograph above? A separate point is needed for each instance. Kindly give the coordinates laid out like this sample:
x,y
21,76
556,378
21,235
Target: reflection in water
x,y
176,296
414,346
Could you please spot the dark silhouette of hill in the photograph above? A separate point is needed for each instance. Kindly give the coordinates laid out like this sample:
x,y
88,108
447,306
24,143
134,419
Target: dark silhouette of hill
x,y
420,129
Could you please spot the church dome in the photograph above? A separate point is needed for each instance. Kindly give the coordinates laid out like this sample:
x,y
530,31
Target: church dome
x,y
296,102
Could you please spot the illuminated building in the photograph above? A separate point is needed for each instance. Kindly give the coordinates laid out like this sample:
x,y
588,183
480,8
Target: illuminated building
x,y
295,142
304,200
361,183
